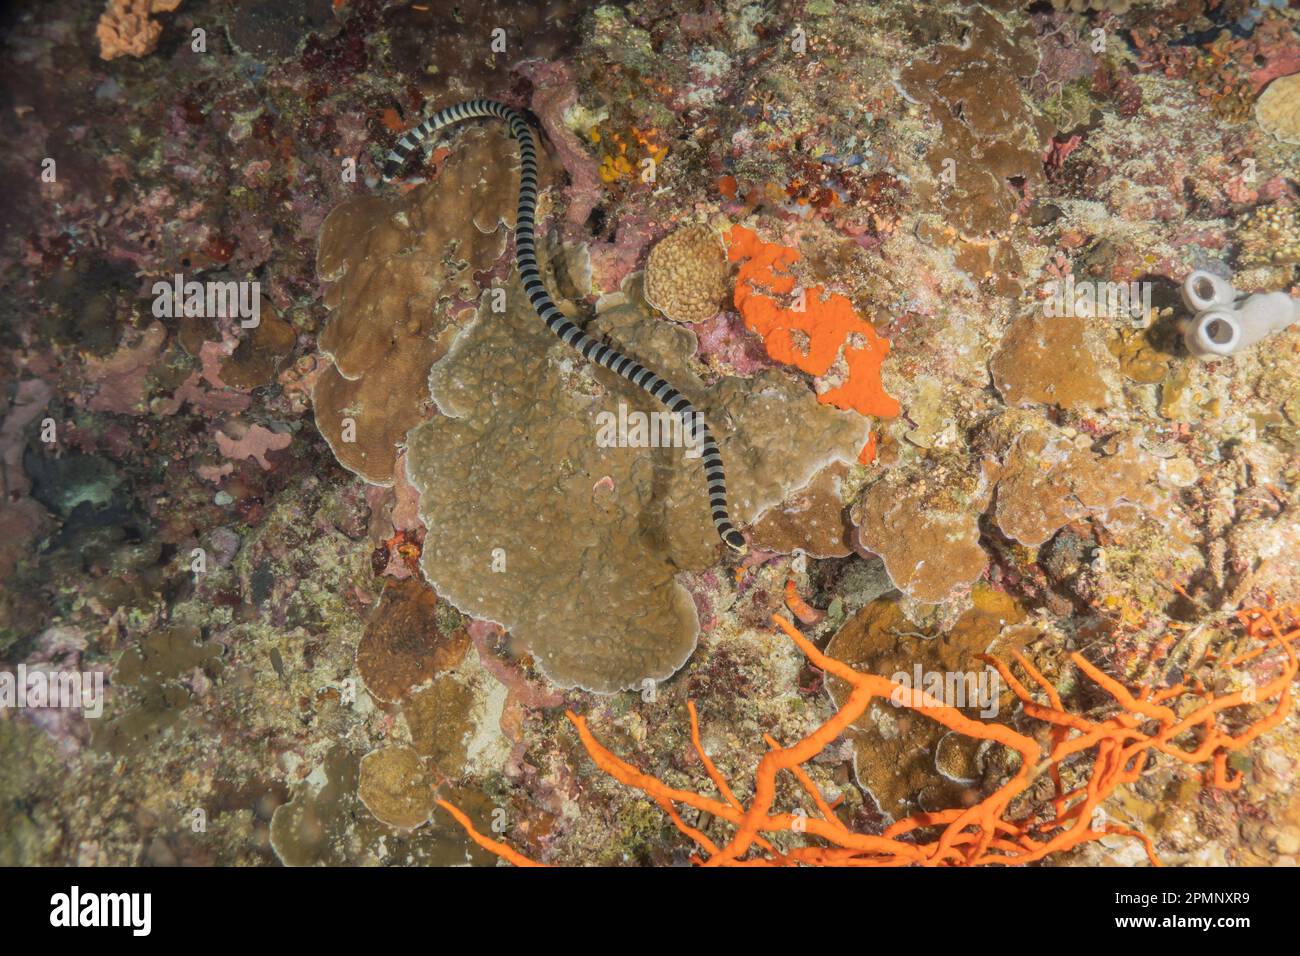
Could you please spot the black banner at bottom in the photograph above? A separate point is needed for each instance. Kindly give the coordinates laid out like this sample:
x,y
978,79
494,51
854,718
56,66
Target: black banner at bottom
x,y
592,906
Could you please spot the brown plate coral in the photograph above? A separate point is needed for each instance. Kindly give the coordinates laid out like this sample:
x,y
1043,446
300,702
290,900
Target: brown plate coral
x,y
574,546
398,266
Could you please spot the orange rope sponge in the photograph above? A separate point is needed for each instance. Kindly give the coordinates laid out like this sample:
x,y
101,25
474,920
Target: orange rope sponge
x,y
812,335
1186,723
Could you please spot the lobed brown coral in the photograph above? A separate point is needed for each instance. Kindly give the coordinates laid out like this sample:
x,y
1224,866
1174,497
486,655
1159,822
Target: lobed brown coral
x,y
572,545
396,787
990,140
409,640
397,266
924,524
1050,479
811,520
909,764
1056,360
257,359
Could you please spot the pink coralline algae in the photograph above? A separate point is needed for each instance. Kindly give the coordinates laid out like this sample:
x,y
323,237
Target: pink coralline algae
x,y
120,378
251,441
554,91
206,401
614,260
724,341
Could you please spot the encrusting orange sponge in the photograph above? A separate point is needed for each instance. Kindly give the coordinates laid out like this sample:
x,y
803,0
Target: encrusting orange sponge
x,y
824,325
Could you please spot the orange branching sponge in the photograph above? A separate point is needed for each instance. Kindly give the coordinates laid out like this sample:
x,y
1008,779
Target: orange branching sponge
x,y
1188,723
813,333
495,846
802,610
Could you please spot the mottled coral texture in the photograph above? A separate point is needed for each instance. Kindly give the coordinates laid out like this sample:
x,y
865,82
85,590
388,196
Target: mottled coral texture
x,y
686,274
1056,360
990,135
924,524
908,762
398,265
574,546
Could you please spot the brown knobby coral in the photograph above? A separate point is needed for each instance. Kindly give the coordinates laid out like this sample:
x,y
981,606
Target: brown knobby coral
x,y
1050,479
259,355
396,787
686,274
551,519
409,640
1200,724
398,267
1278,108
811,520
908,764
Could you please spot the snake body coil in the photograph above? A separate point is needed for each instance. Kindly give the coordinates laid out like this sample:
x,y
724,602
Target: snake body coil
x,y
570,334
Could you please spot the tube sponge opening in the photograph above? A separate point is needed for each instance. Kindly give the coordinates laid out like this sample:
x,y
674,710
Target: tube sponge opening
x,y
1214,333
1203,290
1224,324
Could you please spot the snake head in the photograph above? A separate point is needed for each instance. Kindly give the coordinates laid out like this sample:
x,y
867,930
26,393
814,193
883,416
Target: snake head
x,y
392,168
736,542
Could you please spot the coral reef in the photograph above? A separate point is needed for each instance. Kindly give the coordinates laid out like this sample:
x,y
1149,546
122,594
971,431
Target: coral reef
x,y
410,640
551,532
811,520
1141,727
397,268
395,787
340,614
686,274
1049,479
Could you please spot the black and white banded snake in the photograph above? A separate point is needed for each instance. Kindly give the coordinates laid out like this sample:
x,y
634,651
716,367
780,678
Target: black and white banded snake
x,y
566,331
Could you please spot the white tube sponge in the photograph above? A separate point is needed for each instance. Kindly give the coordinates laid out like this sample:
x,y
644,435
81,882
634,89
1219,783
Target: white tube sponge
x,y
1225,324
